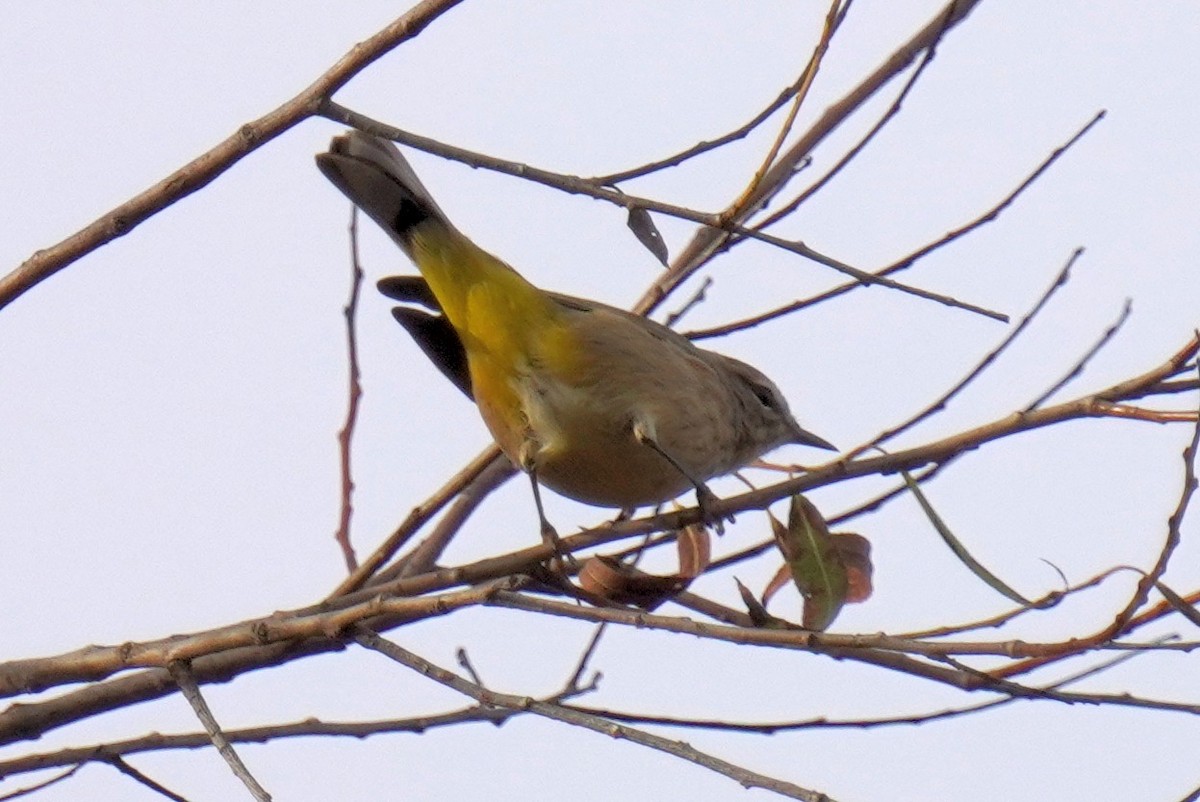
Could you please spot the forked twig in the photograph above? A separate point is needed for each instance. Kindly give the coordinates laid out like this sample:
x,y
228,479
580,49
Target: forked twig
x,y
940,402
558,712
907,261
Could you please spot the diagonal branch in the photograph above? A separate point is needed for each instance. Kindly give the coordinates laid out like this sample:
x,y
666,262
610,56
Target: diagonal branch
x,y
582,186
197,173
905,262
708,241
181,673
556,712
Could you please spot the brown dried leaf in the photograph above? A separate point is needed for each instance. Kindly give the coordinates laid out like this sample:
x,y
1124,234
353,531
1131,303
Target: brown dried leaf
x,y
855,553
777,583
784,574
695,550
615,581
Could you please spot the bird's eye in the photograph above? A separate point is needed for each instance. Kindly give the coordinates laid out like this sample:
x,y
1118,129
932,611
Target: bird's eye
x,y
764,395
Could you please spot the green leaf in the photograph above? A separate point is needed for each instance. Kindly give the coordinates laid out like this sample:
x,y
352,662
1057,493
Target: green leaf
x,y
993,581
816,565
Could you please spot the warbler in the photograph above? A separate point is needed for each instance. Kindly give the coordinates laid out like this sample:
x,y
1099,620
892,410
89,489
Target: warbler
x,y
600,405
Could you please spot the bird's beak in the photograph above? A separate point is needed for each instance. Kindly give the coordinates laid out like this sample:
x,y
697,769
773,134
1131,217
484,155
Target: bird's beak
x,y
807,438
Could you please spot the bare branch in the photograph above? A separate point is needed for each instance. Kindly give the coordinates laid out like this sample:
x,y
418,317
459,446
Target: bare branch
x,y
556,712
833,19
580,186
129,771
880,124
197,173
709,241
1078,367
354,392
181,673
1174,522
57,778
911,259
419,516
940,402
822,723
285,637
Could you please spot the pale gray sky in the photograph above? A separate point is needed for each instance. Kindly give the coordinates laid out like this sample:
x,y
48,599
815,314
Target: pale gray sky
x,y
168,404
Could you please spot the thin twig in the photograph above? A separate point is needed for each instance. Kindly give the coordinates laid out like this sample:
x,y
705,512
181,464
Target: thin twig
x,y
705,146
892,111
424,555
32,789
865,277
1127,619
557,712
911,259
1171,542
1000,619
181,672
1078,367
779,102
833,19
580,186
822,723
691,303
309,727
1130,412
345,436
197,173
464,662
941,401
575,682
708,241
416,519
129,771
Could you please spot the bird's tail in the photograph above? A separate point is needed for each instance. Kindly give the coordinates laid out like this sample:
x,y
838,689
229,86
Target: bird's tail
x,y
487,302
378,179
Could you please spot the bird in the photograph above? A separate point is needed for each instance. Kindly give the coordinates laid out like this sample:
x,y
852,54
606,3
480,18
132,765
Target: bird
x,y
594,402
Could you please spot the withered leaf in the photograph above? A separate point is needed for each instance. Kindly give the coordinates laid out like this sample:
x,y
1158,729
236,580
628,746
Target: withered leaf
x,y
642,226
611,579
828,569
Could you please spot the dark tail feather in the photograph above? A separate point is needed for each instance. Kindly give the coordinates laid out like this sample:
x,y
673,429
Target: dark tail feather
x,y
372,173
409,290
432,333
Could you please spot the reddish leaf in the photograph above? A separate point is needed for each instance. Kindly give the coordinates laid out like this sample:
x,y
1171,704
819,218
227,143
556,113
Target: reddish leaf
x,y
781,578
855,552
695,550
816,566
612,579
